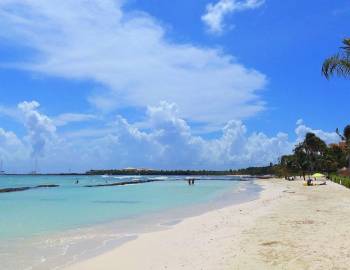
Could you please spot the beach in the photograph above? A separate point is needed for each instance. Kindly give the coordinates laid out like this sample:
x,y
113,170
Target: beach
x,y
170,135
289,227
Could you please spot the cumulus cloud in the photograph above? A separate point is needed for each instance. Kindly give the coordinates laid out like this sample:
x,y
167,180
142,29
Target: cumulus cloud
x,y
236,148
216,13
170,143
40,128
165,141
11,147
129,55
302,129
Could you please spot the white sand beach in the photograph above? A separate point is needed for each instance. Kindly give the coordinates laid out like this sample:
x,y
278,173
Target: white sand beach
x,y
289,227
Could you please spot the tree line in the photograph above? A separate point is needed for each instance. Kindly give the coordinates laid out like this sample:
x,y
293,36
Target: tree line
x,y
156,172
265,170
314,155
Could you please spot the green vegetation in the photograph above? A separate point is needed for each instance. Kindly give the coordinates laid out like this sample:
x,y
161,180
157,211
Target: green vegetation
x,y
268,170
342,180
339,63
313,155
258,171
336,156
346,139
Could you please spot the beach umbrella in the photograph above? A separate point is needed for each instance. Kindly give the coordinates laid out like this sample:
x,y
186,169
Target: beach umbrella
x,y
318,175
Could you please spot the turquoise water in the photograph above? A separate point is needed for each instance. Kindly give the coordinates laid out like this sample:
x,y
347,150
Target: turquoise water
x,y
50,228
70,206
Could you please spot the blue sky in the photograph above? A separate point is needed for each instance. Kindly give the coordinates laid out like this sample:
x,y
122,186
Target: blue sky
x,y
190,84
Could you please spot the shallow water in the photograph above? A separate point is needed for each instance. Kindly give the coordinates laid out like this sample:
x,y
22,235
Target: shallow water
x,y
45,228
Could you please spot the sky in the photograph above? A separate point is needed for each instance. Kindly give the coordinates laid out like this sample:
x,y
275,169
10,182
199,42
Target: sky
x,y
204,84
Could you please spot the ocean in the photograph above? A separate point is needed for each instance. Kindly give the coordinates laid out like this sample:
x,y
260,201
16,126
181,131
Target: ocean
x,y
48,228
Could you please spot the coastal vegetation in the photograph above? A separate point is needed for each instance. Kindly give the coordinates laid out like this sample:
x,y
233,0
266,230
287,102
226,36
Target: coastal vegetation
x,y
342,180
314,155
345,136
338,64
266,170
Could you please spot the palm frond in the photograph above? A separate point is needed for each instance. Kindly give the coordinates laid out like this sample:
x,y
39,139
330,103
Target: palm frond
x,y
339,134
346,133
346,46
338,64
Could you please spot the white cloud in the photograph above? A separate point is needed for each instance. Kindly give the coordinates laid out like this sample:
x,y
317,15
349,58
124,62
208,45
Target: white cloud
x,y
302,129
170,143
11,147
238,149
216,13
167,142
129,55
173,144
40,128
66,118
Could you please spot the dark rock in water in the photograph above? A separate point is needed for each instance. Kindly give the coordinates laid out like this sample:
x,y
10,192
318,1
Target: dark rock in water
x,y
8,190
126,183
46,186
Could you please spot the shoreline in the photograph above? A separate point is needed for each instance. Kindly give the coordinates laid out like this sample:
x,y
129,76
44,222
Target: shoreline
x,y
94,263
288,227
60,249
129,229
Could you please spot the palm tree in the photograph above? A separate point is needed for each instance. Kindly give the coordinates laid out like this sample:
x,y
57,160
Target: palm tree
x,y
301,159
339,63
346,138
314,149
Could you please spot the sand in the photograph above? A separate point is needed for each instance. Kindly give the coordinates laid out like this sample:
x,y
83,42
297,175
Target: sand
x,y
289,227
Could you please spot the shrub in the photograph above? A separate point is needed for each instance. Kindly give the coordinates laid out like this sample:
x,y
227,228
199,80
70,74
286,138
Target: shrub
x,y
343,180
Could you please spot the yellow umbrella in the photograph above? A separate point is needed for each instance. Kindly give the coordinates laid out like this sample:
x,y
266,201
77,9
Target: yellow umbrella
x,y
318,175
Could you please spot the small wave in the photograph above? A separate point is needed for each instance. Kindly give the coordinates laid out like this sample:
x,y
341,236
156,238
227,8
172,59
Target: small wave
x,y
161,177
126,176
